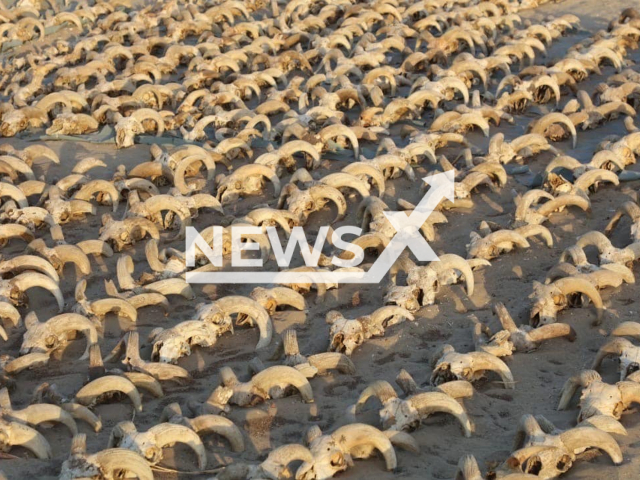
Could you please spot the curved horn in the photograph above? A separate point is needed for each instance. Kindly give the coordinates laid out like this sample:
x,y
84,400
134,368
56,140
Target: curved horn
x,y
563,161
43,413
563,201
251,308
171,286
630,392
73,254
94,247
116,305
541,125
580,438
457,389
605,423
220,426
432,402
168,434
381,389
504,316
80,412
571,285
9,312
86,164
26,437
124,269
30,360
528,199
630,208
613,348
28,280
287,296
29,262
67,322
146,382
294,146
332,361
88,394
362,168
34,152
357,435
583,379
388,311
283,376
148,113
468,469
333,194
148,169
15,230
452,261
333,131
88,190
122,459
534,230
510,236
8,190
402,440
588,178
341,180
486,361
282,456
627,329
553,330
254,169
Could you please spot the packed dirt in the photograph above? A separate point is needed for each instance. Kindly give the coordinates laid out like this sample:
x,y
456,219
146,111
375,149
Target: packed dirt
x,y
494,410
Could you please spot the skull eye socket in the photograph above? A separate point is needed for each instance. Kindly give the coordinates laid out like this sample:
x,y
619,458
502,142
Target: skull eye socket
x,y
50,341
337,460
532,465
618,409
564,463
535,318
271,305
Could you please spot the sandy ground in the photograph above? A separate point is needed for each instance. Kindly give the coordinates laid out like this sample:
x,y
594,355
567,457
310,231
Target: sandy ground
x,y
494,410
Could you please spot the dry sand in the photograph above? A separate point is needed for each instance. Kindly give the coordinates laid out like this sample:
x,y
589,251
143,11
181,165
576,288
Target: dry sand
x,y
494,410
